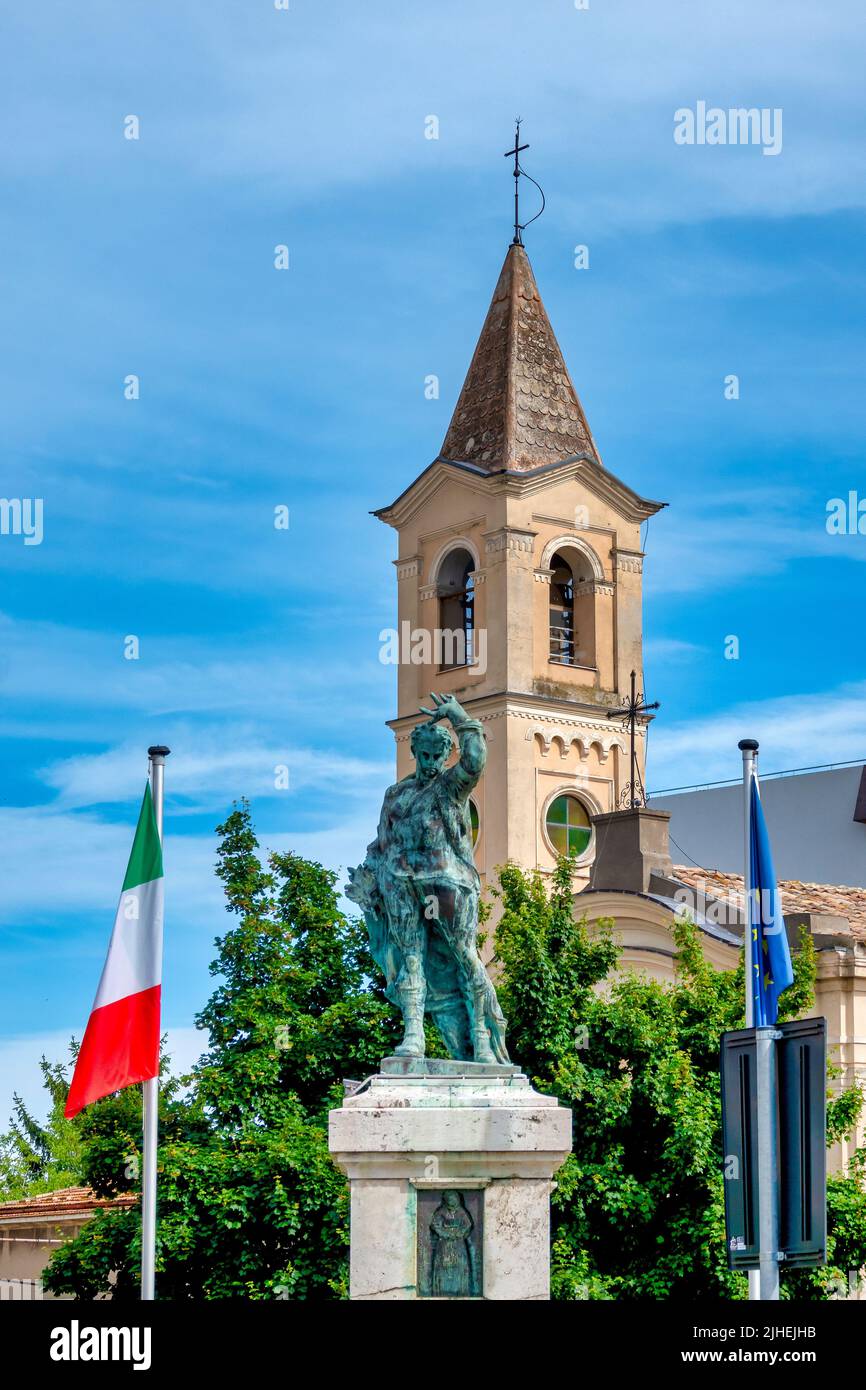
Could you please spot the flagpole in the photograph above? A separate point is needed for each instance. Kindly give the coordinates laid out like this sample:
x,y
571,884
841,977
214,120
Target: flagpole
x,y
763,1281
150,1089
768,1164
766,1111
749,749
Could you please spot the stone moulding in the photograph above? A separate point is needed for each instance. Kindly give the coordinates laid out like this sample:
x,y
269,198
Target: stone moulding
x,y
565,731
508,538
404,1135
570,541
454,542
408,568
588,473
549,730
631,561
566,741
593,586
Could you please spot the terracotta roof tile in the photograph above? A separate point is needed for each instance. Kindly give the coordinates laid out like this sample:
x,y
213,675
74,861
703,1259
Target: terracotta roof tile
x,y
67,1201
518,409
825,899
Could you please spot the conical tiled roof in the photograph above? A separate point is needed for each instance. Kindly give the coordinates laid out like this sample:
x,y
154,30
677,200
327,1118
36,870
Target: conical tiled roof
x,y
518,409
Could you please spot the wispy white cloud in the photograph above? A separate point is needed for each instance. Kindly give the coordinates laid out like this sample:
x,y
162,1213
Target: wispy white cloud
x,y
67,865
327,103
57,865
671,649
207,763
796,730
62,873
20,1056
605,83
726,539
221,674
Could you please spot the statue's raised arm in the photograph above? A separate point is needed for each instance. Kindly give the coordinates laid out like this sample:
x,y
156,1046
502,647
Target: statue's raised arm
x,y
470,738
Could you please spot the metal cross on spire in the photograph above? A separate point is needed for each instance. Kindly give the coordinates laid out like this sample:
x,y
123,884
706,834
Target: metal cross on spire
x,y
516,152
518,240
630,712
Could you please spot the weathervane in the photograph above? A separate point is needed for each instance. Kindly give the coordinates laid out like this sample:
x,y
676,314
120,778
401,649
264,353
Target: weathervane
x,y
630,712
519,227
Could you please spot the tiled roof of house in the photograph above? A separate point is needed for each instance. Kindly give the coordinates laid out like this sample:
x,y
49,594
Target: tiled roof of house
x,y
824,899
67,1201
518,409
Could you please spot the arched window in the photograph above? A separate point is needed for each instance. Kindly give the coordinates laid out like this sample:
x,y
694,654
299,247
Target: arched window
x,y
562,636
568,826
456,586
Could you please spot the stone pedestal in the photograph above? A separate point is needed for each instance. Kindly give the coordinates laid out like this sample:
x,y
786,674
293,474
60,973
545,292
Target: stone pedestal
x,y
421,1129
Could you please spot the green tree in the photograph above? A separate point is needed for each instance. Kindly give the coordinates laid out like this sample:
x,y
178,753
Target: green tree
x,y
37,1157
638,1211
250,1203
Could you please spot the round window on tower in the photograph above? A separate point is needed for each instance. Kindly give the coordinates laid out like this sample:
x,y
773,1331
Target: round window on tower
x,y
568,826
473,821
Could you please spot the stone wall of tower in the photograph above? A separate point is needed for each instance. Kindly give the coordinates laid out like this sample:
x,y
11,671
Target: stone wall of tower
x,y
518,483
454,514
546,723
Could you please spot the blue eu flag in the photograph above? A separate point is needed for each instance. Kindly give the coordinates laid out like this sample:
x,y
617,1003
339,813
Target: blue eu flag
x,y
771,958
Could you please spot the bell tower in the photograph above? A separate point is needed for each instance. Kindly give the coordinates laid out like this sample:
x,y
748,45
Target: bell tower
x,y
519,591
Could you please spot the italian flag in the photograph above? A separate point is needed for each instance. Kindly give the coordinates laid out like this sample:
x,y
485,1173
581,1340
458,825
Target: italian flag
x,y
121,1041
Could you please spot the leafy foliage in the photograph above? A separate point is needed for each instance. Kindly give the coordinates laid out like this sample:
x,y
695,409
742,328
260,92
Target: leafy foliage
x,y
36,1157
250,1203
638,1211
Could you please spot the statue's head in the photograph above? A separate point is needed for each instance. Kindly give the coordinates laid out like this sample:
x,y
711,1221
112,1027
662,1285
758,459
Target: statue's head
x,y
430,744
451,1199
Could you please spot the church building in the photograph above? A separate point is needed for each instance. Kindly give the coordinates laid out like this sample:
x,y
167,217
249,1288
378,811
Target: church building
x,y
520,564
520,561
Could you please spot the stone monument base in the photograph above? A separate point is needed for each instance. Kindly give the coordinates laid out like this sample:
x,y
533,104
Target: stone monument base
x,y
450,1167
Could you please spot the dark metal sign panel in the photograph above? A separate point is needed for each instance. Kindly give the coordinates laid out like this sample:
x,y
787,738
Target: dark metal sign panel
x,y
801,1059
740,1139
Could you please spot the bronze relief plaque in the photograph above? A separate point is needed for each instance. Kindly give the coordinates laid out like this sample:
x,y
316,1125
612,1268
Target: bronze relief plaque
x,y
450,1246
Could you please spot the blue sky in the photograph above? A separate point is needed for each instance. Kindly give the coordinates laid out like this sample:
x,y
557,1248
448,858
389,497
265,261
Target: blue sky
x,y
306,388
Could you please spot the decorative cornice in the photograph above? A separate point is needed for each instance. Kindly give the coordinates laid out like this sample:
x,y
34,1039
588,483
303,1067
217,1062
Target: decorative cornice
x,y
409,567
569,524
509,538
576,721
543,576
593,586
589,473
521,704
584,732
630,560
572,731
426,591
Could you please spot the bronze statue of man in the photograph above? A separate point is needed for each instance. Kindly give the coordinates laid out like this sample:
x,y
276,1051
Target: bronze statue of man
x,y
419,889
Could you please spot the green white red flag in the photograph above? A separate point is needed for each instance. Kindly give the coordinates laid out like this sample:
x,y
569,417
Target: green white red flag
x,y
121,1042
